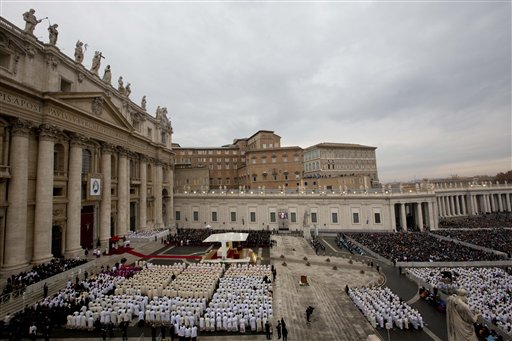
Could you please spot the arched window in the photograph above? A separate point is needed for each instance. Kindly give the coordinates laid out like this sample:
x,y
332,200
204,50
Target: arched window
x,y
86,161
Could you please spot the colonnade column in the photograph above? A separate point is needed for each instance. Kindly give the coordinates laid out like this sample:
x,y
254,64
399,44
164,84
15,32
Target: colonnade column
x,y
431,216
74,195
123,200
158,194
452,206
393,217
463,204
106,193
440,204
168,200
16,221
403,217
507,201
500,203
42,251
470,205
446,206
143,193
488,207
420,216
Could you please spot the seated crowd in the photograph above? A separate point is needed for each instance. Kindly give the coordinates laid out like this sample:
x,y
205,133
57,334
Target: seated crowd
x,y
343,242
317,245
490,220
384,309
489,290
419,247
496,239
195,237
147,233
41,272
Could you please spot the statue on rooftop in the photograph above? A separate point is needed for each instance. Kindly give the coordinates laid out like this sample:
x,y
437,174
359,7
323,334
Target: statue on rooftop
x,y
120,85
30,21
143,102
52,30
128,90
107,75
96,62
79,52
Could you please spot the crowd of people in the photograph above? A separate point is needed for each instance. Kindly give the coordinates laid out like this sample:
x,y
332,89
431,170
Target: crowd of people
x,y
489,290
195,237
497,239
343,242
419,247
40,272
384,309
317,245
490,220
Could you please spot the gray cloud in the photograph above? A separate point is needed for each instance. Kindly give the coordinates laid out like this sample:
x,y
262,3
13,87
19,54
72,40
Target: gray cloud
x,y
429,84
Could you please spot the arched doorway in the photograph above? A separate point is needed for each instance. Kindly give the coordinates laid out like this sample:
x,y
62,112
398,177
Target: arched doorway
x,y
56,241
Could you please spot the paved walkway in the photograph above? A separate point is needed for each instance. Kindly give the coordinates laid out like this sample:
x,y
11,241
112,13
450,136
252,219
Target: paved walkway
x,y
334,317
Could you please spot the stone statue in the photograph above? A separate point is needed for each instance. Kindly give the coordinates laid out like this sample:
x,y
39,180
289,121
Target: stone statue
x,y
96,62
107,75
120,86
52,30
79,52
128,90
143,103
161,113
30,21
459,318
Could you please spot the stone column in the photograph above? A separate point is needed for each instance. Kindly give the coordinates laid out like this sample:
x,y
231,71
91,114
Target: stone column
x,y
500,203
16,221
469,204
463,205
43,216
403,217
74,210
443,206
446,207
452,206
106,192
168,200
477,203
439,203
123,193
507,201
431,217
143,193
420,216
393,218
158,194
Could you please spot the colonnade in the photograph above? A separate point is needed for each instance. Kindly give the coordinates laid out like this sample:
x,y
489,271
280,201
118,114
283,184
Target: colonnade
x,y
473,203
422,215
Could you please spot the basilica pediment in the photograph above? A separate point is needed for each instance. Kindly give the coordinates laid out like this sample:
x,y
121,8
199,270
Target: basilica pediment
x,y
96,105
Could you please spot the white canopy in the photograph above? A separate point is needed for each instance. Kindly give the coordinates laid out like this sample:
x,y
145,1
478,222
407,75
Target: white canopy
x,y
227,237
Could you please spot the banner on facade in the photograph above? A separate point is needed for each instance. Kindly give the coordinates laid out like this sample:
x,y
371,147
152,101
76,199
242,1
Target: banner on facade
x,y
95,188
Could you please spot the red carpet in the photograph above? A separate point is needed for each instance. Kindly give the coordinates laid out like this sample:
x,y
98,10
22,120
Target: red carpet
x,y
135,253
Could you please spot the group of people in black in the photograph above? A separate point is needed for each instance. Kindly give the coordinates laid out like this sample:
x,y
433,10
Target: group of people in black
x,y
419,247
40,272
195,237
281,329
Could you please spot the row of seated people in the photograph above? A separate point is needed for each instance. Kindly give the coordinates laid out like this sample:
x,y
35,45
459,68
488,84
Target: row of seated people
x,y
419,247
317,245
497,239
384,309
343,242
154,309
490,220
195,237
41,272
242,301
489,290
146,233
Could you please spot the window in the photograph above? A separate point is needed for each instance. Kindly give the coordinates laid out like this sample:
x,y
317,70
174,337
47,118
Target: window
x,y
313,217
65,85
5,60
196,216
355,217
264,145
57,191
214,216
178,215
254,177
150,133
293,217
86,161
233,216
377,218
164,138
272,217
334,217
253,217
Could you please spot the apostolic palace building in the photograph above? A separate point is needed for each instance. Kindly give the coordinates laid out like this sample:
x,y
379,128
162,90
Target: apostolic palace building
x,y
81,162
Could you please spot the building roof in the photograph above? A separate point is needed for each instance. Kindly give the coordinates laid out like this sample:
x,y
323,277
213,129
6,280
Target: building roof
x,y
339,145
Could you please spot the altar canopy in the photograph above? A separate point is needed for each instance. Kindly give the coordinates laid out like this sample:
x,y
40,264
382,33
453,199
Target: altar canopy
x,y
226,240
227,237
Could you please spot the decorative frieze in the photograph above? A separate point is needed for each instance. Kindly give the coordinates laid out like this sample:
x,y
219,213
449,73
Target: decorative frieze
x,y
97,105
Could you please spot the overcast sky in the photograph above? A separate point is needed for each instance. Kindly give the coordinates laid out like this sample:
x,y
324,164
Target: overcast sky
x,y
427,83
